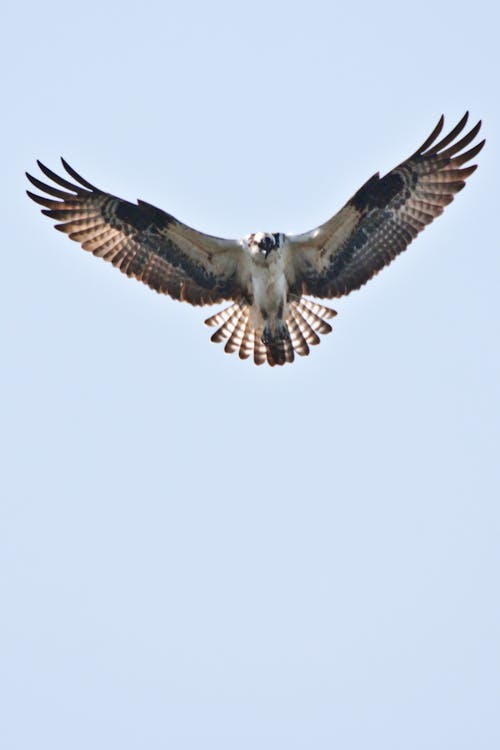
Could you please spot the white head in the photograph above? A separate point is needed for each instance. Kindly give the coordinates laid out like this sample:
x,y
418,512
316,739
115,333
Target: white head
x,y
264,243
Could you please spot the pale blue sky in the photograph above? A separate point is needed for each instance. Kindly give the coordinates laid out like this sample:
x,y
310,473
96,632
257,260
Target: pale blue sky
x,y
194,552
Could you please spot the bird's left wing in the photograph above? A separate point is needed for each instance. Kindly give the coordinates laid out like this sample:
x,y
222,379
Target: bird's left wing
x,y
143,241
382,218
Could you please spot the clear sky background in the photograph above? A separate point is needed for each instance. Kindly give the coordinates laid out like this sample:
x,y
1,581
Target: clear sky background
x,y
199,553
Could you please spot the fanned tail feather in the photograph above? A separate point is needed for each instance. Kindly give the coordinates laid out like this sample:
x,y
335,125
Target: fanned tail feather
x,y
299,342
279,347
247,343
235,339
308,333
259,350
275,342
222,316
314,313
228,323
321,310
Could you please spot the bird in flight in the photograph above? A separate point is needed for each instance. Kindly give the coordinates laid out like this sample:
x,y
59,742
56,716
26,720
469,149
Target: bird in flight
x,y
267,277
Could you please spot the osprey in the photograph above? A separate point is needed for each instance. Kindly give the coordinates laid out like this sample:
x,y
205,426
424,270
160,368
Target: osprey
x,y
265,276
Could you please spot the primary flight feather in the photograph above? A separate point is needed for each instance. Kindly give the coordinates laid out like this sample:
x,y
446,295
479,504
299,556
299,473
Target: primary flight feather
x,y
265,276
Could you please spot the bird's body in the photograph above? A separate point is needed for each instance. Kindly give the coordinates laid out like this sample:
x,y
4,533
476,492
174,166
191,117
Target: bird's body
x,y
268,280
267,276
268,283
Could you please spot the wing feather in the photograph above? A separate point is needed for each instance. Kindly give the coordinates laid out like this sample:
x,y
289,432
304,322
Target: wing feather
x,y
383,217
142,240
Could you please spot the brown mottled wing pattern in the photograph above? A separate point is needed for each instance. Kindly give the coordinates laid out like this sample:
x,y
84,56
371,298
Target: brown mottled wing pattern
x,y
142,241
383,217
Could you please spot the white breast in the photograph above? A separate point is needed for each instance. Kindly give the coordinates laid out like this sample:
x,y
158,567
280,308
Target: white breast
x,y
269,284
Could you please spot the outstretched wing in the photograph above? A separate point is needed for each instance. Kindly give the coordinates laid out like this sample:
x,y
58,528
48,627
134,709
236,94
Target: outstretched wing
x,y
143,241
382,218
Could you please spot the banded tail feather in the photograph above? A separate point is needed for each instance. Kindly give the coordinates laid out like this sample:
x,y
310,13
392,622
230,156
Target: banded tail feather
x,y
276,339
278,343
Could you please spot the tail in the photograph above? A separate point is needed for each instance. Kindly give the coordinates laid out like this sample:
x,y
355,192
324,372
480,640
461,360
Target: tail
x,y
276,341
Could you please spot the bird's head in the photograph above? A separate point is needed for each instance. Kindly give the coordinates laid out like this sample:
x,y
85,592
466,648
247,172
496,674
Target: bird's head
x,y
264,243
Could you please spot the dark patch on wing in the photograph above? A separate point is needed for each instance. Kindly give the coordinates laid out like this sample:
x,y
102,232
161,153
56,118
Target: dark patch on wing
x,y
144,216
372,224
377,193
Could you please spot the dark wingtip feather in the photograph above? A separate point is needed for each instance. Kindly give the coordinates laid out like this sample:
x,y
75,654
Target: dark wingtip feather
x,y
468,155
50,189
467,171
57,179
440,145
478,147
41,200
76,176
431,138
456,147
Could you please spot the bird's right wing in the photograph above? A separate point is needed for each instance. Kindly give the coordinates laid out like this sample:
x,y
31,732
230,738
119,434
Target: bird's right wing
x,y
144,241
382,218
